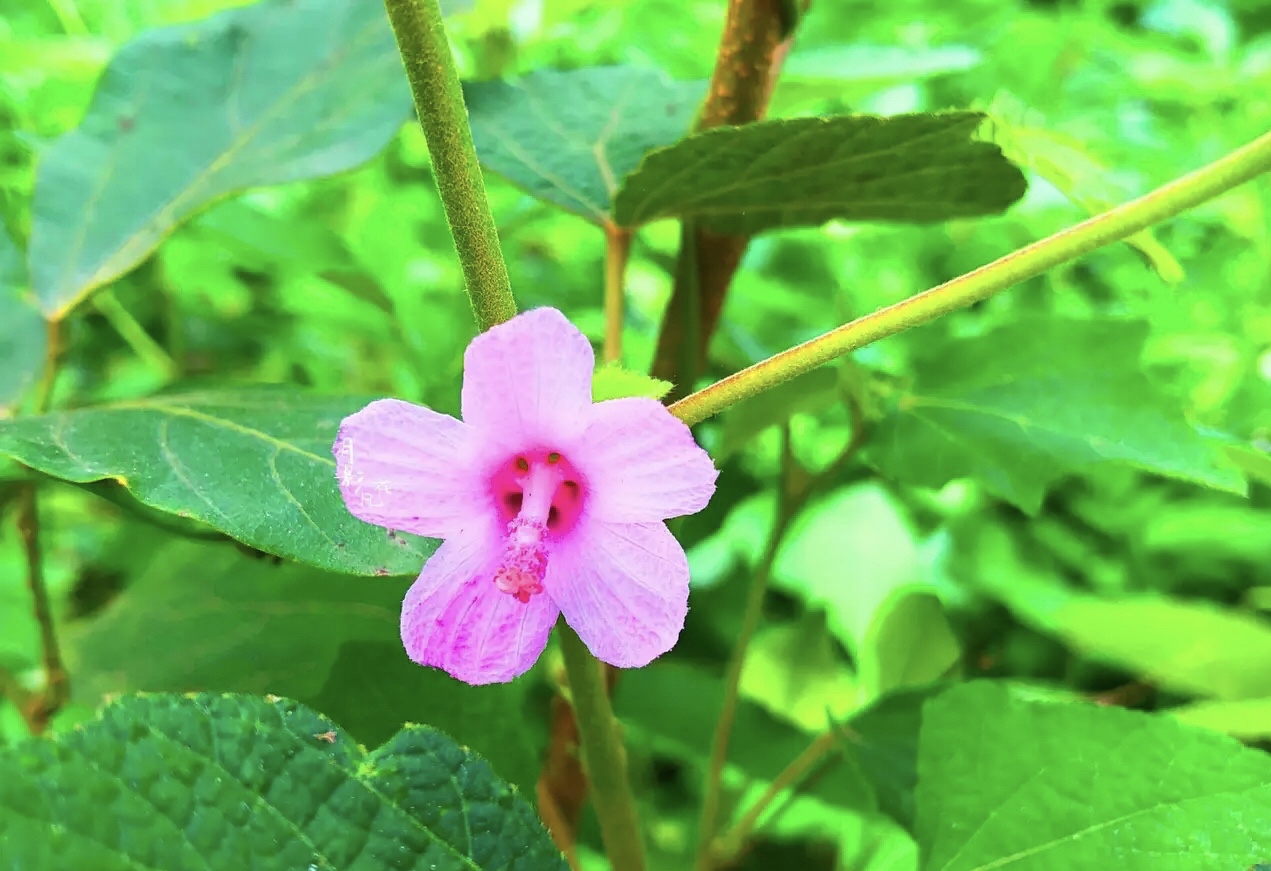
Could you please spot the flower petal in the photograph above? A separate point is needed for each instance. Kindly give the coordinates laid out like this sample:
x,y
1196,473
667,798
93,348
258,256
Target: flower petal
x,y
527,382
623,587
454,618
407,467
641,463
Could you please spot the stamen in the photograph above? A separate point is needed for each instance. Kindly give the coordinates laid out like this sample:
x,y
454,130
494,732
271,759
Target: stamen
x,y
524,562
540,496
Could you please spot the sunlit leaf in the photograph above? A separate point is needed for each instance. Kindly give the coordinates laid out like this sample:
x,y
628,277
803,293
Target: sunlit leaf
x,y
794,672
611,381
1045,786
268,93
1193,647
1029,402
1067,163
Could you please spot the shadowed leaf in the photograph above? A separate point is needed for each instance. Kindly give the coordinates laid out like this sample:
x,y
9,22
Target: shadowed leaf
x,y
569,138
806,171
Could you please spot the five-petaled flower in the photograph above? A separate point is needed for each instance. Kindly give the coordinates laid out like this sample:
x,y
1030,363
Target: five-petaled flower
x,y
547,502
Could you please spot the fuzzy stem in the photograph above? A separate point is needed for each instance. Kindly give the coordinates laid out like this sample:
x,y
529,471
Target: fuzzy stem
x,y
617,253
604,756
1112,226
434,82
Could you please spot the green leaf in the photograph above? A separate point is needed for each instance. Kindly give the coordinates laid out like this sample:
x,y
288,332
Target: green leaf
x,y
1035,400
1067,163
1198,648
204,781
242,625
255,464
882,739
794,672
611,381
495,720
910,642
1046,786
1192,647
805,171
264,94
811,391
855,554
761,746
1246,719
23,334
569,138
247,625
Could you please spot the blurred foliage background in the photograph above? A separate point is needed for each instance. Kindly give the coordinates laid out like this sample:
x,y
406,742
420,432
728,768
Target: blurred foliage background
x,y
1114,584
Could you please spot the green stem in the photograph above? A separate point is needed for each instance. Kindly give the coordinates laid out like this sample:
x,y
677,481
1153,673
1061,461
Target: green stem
x,y
732,684
730,844
1112,226
796,490
434,82
604,757
141,342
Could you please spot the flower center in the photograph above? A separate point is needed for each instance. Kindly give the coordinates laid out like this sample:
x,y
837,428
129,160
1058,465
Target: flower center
x,y
539,495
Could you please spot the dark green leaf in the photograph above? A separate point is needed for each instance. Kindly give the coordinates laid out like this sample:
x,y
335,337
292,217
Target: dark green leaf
x,y
883,741
198,782
255,464
23,336
806,171
570,138
373,689
761,746
264,94
242,624
1035,400
1049,786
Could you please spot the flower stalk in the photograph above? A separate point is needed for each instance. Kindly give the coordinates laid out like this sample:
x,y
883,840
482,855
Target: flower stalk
x,y
604,756
1112,226
434,82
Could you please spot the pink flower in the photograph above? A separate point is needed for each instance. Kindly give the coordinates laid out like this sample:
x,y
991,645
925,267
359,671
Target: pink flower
x,y
547,502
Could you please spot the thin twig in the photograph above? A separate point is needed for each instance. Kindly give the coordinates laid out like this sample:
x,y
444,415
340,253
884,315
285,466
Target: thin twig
x,y
728,845
732,677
